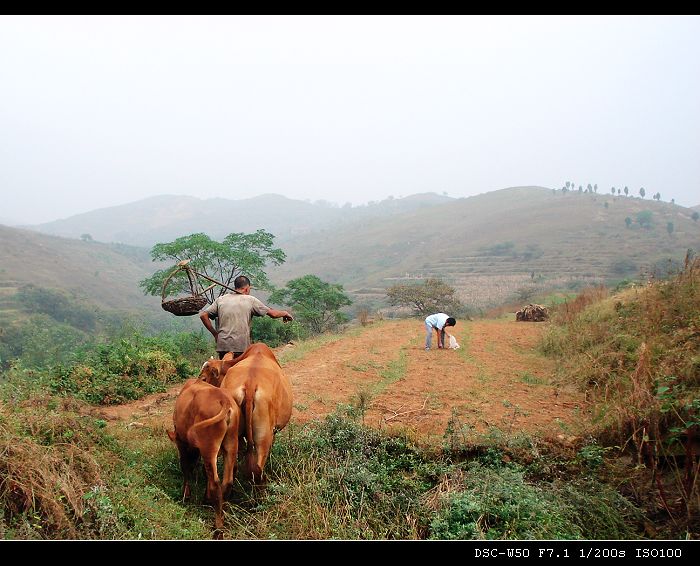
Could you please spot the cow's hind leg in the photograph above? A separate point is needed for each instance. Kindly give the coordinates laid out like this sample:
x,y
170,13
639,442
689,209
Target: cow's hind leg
x,y
257,455
213,493
188,460
230,449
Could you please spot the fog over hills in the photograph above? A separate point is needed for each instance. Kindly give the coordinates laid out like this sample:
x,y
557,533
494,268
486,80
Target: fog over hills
x,y
491,247
166,217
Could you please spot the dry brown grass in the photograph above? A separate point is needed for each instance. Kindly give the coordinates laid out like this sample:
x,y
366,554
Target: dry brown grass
x,y
567,311
42,487
637,354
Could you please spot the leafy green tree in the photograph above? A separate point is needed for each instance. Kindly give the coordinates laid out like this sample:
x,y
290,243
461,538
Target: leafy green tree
x,y
434,295
238,254
274,332
695,216
612,190
628,221
627,191
642,192
315,303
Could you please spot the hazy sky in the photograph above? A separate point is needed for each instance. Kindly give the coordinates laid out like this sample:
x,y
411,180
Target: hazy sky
x,y
97,111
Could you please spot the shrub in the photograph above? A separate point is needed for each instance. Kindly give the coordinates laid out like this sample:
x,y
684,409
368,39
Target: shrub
x,y
128,368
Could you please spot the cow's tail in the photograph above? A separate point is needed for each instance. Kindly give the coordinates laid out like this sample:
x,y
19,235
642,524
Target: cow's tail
x,y
225,413
251,450
249,406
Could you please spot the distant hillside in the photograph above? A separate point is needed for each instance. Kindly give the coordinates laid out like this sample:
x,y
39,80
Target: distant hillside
x,y
491,245
164,218
103,274
497,246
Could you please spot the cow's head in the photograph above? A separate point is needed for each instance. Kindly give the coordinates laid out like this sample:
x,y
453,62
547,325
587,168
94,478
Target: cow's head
x,y
211,372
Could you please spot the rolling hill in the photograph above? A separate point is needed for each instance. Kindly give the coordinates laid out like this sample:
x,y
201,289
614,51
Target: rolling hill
x,y
106,275
491,247
166,217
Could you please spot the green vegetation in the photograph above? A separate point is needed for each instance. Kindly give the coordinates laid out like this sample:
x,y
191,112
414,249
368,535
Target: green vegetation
x,y
316,304
274,332
49,325
636,355
237,254
124,368
70,475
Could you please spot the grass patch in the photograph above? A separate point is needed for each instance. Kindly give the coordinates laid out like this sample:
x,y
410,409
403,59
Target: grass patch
x,y
531,379
330,479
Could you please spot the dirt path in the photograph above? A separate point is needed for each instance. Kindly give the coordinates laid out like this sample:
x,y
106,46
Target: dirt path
x,y
496,378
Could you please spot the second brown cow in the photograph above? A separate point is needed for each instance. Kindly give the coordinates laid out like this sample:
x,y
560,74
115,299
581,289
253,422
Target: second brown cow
x,y
206,421
264,394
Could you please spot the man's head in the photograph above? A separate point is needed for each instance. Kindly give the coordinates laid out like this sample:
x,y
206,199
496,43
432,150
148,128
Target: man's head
x,y
241,284
450,322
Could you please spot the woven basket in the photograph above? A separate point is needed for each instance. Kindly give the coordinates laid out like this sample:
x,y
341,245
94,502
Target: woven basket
x,y
183,306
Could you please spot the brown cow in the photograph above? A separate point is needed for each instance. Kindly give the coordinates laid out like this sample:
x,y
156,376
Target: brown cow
x,y
264,394
206,420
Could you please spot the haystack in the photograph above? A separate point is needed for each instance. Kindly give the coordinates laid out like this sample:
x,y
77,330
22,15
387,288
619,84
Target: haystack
x,y
532,313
